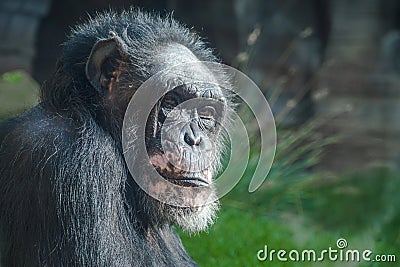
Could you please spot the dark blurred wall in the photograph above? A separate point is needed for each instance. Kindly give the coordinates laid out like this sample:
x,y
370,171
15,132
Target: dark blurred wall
x,y
360,78
286,54
64,14
19,22
215,20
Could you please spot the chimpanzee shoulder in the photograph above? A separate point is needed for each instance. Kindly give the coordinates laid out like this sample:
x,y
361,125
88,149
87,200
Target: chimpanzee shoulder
x,y
36,126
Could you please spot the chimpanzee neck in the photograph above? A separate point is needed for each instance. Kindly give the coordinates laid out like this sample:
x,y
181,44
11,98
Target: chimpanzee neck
x,y
110,228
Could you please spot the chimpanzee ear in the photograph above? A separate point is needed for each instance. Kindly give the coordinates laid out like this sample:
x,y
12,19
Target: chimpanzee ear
x,y
105,58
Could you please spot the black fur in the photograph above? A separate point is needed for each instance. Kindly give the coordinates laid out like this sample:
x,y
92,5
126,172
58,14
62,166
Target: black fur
x,y
63,180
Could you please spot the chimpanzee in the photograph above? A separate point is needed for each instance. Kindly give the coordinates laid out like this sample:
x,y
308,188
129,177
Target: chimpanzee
x,y
67,197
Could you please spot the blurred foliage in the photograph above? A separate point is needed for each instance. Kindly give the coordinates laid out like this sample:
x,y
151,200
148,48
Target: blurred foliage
x,y
12,77
18,92
297,152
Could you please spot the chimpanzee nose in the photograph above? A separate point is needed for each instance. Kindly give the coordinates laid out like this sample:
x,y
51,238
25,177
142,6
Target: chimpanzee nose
x,y
192,135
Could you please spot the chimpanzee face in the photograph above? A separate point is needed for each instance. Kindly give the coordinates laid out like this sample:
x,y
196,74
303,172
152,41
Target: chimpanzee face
x,y
181,134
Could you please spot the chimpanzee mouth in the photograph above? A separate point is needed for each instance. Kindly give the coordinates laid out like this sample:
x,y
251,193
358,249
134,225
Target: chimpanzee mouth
x,y
177,176
187,181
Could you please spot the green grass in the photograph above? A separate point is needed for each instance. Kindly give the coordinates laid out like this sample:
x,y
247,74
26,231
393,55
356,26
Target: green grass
x,y
235,239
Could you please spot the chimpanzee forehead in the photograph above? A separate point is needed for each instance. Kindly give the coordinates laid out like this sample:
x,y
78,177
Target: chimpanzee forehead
x,y
181,68
173,54
200,89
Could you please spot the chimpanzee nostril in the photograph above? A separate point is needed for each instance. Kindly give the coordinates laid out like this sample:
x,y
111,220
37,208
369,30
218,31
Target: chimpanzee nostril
x,y
192,135
191,140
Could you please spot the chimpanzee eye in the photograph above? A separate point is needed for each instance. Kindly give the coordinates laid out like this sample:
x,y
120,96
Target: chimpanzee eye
x,y
206,112
207,117
170,101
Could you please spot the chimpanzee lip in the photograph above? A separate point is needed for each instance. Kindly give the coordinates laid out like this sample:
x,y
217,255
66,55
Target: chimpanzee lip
x,y
175,175
188,181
